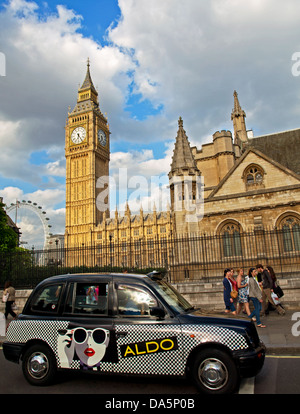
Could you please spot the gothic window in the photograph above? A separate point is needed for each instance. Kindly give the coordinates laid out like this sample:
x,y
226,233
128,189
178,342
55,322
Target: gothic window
x,y
290,228
254,176
230,236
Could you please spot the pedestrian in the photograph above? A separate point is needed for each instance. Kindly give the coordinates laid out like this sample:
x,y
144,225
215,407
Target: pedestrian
x,y
228,300
232,280
273,277
234,287
276,288
243,292
255,295
267,289
10,290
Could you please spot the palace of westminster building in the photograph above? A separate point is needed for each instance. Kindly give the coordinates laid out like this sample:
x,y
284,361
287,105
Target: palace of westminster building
x,y
250,184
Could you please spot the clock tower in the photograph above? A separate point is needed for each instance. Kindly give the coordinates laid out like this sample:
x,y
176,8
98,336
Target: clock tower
x,y
87,166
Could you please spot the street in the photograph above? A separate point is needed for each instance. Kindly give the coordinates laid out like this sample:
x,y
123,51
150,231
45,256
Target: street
x,y
280,375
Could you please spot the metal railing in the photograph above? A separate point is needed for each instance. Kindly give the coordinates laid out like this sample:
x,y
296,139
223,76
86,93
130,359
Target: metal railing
x,y
185,258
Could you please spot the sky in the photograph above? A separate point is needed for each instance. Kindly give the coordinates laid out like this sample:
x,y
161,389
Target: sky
x,y
152,62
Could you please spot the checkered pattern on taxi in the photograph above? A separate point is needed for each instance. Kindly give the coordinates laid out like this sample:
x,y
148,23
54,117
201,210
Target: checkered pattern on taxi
x,y
47,331
164,363
211,333
172,362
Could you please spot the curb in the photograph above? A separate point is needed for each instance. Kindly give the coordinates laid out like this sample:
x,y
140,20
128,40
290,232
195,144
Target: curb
x,y
283,350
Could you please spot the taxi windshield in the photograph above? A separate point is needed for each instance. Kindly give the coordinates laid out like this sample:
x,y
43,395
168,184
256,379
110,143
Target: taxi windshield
x,y
174,299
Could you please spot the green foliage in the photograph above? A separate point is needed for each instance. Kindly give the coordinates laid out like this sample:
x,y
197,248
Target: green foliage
x,y
8,238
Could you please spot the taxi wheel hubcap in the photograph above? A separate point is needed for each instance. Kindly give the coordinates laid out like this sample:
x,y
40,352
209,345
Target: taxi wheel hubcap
x,y
38,365
213,373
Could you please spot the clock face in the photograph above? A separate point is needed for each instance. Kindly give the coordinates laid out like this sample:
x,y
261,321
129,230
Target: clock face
x,y
78,135
102,137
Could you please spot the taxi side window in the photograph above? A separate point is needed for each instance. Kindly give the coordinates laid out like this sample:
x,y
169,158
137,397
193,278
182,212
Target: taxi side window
x,y
47,299
86,298
134,300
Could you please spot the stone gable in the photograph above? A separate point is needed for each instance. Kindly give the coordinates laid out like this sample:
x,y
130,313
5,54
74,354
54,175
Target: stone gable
x,y
274,176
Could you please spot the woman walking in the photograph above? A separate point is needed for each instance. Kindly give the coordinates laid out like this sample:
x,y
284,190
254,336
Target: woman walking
x,y
10,290
227,290
243,289
255,294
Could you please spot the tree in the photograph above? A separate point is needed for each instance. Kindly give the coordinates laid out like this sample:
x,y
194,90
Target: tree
x,y
8,238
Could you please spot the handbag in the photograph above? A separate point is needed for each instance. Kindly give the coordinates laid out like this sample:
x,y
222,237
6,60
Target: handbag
x,y
234,294
5,297
279,292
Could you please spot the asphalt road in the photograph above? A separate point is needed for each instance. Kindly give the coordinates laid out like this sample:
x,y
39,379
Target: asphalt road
x,y
280,375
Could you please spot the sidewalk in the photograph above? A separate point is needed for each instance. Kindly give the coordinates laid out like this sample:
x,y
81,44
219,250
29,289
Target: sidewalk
x,y
277,336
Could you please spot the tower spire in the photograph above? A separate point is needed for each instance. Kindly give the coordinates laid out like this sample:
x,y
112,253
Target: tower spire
x,y
184,182
87,95
239,125
88,83
182,155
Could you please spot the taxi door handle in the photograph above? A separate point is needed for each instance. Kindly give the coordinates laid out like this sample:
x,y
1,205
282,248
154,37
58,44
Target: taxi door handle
x,y
121,334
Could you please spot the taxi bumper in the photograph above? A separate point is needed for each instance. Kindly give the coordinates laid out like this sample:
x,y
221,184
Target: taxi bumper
x,y
251,361
13,351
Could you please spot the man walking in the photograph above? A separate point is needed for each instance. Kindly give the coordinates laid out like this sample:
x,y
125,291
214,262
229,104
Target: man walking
x,y
267,288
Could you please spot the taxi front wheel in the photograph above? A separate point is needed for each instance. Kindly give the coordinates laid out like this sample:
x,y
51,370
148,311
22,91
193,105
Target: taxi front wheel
x,y
214,372
39,365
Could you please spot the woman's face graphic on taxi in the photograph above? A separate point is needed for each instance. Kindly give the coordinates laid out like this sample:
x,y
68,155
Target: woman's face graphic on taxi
x,y
90,345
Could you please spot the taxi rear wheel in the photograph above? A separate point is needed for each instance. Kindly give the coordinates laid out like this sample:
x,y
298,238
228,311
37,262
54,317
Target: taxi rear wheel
x,y
214,372
39,365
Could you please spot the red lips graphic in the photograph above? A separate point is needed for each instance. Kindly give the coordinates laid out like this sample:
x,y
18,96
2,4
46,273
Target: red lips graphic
x,y
89,352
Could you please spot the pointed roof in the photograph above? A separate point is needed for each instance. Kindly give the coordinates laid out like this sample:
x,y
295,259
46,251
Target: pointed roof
x,y
87,96
183,158
237,110
88,83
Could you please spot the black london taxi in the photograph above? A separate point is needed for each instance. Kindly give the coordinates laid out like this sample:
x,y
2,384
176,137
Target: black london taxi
x,y
129,324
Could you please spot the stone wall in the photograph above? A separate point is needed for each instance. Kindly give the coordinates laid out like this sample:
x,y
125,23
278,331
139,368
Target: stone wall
x,y
210,295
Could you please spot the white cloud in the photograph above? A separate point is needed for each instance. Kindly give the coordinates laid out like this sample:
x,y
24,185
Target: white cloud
x,y
195,54
46,60
21,8
183,57
11,194
140,180
56,169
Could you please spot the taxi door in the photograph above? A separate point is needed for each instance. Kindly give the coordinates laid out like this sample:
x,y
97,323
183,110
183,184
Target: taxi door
x,y
146,344
88,342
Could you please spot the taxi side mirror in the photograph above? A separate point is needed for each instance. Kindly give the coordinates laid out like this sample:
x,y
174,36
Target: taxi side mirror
x,y
157,311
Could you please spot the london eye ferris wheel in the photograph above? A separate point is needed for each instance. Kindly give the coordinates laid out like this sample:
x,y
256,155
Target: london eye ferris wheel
x,y
28,206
